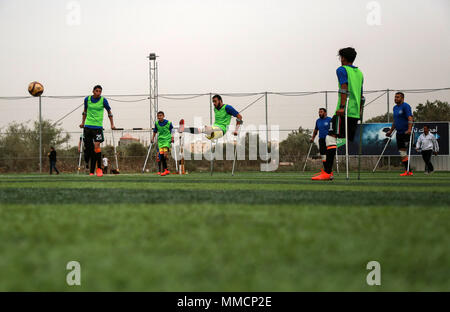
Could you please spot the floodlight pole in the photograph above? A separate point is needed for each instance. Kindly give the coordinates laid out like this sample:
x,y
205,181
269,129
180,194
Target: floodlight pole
x,y
40,134
153,95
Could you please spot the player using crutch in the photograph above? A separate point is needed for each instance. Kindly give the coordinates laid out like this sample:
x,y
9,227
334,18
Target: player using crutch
x,y
164,129
222,120
348,111
322,126
403,123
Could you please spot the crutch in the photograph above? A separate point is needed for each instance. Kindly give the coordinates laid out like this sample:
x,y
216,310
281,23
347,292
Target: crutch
x,y
410,144
175,154
148,155
363,101
346,135
114,145
309,152
382,153
337,160
81,153
235,156
213,152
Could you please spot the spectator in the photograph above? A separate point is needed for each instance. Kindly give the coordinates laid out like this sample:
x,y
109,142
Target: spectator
x,y
52,158
427,145
105,165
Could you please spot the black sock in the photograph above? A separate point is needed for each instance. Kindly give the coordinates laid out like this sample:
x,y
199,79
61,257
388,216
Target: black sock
x,y
99,159
330,160
93,162
405,164
164,163
159,165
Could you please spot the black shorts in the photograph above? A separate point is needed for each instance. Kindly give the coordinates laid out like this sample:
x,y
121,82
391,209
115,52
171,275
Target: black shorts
x,y
402,140
323,146
92,135
337,127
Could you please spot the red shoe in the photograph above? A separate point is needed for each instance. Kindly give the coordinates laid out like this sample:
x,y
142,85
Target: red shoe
x,y
166,172
319,173
404,174
323,177
410,173
91,174
99,172
159,173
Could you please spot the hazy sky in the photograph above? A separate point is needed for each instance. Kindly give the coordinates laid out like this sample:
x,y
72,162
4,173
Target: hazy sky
x,y
216,46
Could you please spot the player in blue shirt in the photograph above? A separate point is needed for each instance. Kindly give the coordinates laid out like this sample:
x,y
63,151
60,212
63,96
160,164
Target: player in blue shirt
x,y
403,122
322,127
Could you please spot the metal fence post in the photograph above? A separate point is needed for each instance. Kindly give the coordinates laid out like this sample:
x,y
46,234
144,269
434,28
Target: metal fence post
x,y
387,116
40,134
267,125
326,100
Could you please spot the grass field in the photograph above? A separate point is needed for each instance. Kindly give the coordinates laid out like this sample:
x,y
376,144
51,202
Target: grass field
x,y
253,232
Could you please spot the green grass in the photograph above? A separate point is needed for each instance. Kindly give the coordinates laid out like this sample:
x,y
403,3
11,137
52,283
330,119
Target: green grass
x,y
253,232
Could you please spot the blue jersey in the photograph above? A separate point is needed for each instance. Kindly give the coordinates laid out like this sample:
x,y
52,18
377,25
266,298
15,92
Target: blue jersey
x,y
94,100
231,111
401,114
322,125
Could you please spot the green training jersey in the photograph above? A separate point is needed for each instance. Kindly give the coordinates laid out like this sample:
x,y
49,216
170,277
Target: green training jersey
x,y
94,113
355,82
164,134
222,118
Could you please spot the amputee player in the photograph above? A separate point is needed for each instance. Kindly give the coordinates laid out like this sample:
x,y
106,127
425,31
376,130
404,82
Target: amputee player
x,y
92,123
322,126
164,130
351,81
403,122
222,119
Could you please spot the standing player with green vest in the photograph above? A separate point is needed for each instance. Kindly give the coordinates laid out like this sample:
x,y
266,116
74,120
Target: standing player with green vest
x,y
350,91
164,129
222,120
92,123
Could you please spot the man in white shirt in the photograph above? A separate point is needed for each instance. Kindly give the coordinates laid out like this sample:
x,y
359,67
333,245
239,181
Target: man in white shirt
x,y
105,165
427,145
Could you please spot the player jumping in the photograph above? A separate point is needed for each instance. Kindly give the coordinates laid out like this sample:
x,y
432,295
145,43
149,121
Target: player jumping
x,y
92,123
164,129
350,86
222,120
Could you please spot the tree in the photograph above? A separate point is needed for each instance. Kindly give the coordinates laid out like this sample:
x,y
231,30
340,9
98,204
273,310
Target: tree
x,y
296,145
19,145
432,111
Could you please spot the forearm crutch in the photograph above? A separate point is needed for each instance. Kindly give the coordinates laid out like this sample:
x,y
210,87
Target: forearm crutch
x,y
81,154
382,153
307,156
410,144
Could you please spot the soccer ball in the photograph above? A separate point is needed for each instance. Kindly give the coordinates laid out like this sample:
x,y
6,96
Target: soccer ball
x,y
35,88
